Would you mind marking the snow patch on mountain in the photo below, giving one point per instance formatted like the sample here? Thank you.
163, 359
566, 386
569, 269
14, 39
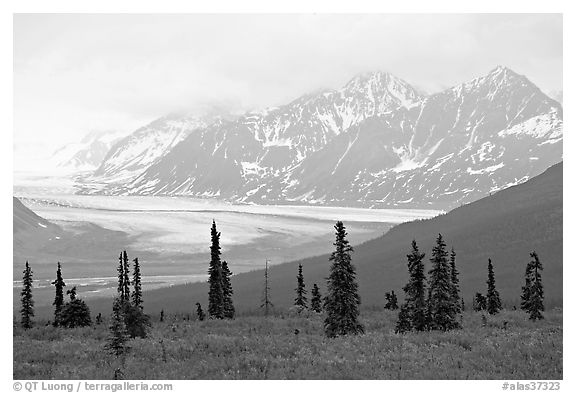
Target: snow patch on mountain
482, 171
540, 126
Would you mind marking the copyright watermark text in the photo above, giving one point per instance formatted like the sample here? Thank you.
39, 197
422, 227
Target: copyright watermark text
84, 386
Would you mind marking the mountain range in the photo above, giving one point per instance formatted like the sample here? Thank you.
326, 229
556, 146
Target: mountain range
376, 142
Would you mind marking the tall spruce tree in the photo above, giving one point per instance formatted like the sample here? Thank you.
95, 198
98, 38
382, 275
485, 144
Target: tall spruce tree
215, 292
525, 296
415, 309
537, 293
533, 291
316, 300
126, 279
137, 283
27, 308
342, 301
227, 292
120, 270
301, 300
135, 322
493, 303
455, 282
58, 303
442, 309
266, 301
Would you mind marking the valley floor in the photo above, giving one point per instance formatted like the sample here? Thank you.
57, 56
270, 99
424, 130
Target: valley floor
255, 347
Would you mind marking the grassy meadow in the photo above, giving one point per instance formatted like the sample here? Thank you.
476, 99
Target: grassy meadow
508, 346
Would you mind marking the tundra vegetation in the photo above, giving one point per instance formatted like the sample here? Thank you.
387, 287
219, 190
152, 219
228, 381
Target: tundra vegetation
431, 335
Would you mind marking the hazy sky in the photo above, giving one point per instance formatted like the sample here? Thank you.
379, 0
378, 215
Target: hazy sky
77, 73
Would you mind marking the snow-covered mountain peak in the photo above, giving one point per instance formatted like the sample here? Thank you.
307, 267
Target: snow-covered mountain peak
383, 87
503, 74
369, 77
498, 79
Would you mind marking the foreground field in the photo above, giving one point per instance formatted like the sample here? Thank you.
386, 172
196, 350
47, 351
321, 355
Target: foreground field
255, 347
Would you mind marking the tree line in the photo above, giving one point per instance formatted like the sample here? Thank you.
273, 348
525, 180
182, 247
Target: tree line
432, 300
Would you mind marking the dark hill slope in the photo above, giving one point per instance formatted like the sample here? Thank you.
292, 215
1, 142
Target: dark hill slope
505, 226
25, 220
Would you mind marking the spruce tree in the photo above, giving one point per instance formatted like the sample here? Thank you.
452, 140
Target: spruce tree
404, 323
443, 310
58, 303
493, 304
415, 305
128, 307
301, 301
75, 313
342, 301
455, 283
116, 342
533, 291
215, 292
199, 312
126, 279
27, 309
227, 292
537, 292
137, 283
266, 302
137, 323
120, 270
525, 296
316, 301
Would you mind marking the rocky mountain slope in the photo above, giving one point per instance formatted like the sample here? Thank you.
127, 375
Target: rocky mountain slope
234, 157
454, 147
376, 142
142, 148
